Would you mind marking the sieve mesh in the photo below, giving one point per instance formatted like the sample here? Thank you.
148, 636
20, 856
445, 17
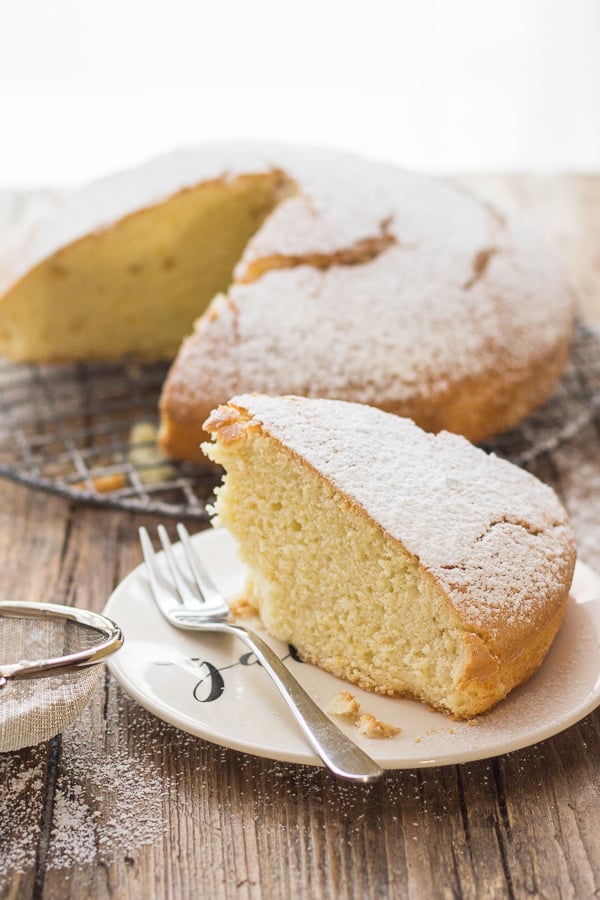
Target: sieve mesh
71, 430
36, 709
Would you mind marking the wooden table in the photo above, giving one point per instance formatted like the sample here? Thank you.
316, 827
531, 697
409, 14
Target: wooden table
125, 806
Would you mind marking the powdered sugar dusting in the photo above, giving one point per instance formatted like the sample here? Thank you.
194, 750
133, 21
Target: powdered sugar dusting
19, 777
397, 327
397, 331
496, 538
108, 801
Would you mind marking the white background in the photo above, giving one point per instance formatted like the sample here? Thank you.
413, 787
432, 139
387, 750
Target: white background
87, 86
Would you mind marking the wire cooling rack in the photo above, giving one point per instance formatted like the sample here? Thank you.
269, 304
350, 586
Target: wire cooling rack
88, 432
574, 405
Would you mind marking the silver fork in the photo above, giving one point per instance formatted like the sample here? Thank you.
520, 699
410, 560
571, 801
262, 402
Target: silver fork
208, 611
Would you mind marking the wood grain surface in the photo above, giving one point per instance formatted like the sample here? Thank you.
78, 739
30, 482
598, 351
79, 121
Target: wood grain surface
220, 824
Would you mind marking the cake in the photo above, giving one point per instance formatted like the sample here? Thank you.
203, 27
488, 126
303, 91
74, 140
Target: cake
411, 564
305, 271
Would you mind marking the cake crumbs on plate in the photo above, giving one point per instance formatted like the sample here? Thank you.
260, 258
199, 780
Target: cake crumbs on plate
371, 727
242, 608
345, 704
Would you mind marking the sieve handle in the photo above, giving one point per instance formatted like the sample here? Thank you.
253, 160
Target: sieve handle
112, 639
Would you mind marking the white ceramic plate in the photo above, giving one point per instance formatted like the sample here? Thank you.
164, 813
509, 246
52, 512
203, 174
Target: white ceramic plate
210, 686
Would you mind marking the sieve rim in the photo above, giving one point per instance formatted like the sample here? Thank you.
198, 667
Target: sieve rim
57, 665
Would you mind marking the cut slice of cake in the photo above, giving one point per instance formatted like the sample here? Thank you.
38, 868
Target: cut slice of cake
408, 563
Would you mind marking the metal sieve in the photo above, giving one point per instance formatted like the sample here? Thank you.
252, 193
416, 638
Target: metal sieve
50, 665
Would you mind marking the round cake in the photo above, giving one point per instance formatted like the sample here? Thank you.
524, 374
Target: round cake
306, 271
409, 563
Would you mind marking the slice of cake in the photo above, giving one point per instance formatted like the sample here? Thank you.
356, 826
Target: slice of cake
409, 563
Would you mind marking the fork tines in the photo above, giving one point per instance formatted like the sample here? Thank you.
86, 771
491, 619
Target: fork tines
198, 590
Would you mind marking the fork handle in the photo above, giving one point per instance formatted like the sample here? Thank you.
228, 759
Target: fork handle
335, 749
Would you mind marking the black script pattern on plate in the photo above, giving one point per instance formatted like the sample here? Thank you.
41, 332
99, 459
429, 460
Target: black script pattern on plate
211, 685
